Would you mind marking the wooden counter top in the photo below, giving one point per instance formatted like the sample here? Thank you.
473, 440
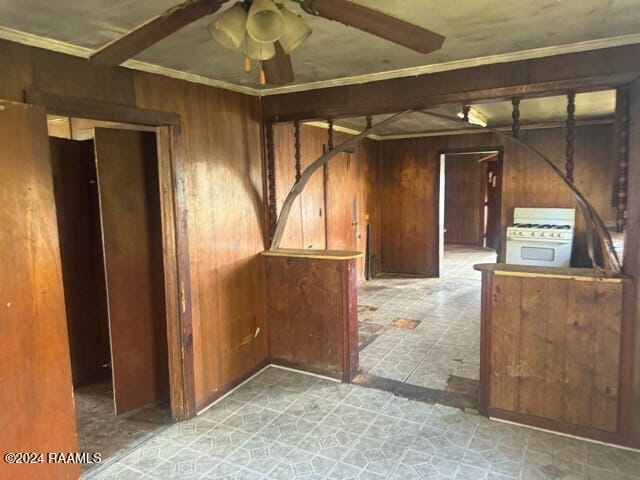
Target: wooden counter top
583, 274
308, 253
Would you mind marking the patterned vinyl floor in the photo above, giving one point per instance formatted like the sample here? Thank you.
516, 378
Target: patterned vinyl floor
287, 425
446, 340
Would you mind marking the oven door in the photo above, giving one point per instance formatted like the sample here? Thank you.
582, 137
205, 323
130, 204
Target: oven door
539, 253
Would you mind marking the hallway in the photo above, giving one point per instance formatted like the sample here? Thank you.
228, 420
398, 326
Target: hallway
424, 331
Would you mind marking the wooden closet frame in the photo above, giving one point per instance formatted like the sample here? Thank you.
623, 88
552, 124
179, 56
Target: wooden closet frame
175, 249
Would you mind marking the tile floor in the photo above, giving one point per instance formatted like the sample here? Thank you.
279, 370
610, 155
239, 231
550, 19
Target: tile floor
447, 340
288, 425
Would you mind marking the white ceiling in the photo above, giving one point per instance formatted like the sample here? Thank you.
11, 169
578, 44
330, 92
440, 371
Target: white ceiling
477, 31
543, 111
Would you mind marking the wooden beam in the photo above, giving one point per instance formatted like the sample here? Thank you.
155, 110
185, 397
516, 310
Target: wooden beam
591, 70
96, 110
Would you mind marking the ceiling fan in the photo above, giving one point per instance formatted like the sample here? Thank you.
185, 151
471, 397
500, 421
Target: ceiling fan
264, 31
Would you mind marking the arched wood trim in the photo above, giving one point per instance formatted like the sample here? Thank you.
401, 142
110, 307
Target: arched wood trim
310, 170
596, 229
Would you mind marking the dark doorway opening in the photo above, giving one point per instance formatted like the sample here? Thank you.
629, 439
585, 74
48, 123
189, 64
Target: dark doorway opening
109, 223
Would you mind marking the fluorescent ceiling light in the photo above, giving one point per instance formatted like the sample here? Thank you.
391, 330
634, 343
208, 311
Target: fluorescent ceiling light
475, 117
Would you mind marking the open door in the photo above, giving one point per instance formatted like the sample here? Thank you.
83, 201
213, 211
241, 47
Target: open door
36, 400
127, 172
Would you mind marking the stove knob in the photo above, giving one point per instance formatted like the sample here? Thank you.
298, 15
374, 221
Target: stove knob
542, 234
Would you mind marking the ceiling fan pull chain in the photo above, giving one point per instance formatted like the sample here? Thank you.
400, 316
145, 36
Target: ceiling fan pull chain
263, 77
247, 65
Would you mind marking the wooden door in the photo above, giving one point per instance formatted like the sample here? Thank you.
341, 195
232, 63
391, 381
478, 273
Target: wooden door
76, 193
464, 200
36, 400
493, 229
130, 213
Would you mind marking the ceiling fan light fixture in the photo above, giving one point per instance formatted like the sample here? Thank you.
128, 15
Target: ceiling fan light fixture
265, 23
230, 27
258, 51
295, 32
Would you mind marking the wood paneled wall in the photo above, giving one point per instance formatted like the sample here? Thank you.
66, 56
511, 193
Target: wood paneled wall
343, 192
409, 176
554, 347
218, 157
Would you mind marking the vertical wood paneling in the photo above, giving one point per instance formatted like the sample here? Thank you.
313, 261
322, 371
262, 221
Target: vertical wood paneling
342, 195
605, 394
505, 343
285, 178
17, 74
579, 360
219, 161
409, 168
408, 172
554, 349
345, 177
313, 314
531, 361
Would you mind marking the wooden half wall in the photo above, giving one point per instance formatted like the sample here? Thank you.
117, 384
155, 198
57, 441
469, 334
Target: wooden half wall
312, 304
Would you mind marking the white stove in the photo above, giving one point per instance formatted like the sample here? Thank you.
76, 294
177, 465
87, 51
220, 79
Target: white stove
541, 237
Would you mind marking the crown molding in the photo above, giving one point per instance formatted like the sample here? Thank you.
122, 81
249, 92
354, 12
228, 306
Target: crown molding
32, 40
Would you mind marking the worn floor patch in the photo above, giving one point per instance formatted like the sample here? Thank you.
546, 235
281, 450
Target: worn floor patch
366, 309
405, 323
368, 332
465, 386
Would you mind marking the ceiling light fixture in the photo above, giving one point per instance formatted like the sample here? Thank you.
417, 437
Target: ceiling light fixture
475, 117
254, 26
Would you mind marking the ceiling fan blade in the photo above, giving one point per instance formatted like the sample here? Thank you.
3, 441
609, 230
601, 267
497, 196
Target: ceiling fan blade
279, 69
143, 36
377, 23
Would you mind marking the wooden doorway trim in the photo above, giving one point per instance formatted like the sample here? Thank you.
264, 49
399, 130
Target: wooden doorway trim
174, 231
